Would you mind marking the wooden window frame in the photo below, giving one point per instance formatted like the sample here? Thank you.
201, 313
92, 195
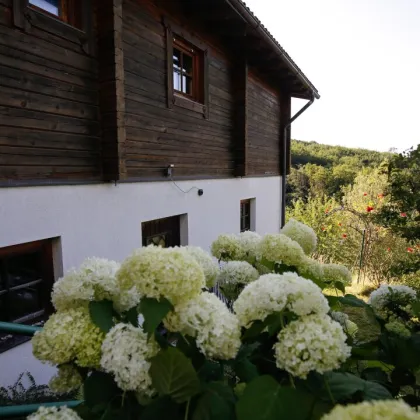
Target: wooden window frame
246, 216
199, 102
45, 247
78, 30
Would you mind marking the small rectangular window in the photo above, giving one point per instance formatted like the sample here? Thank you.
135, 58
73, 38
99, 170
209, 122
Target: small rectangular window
162, 232
26, 279
245, 215
69, 11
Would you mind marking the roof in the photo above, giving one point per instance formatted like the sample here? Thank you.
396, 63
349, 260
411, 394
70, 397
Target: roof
266, 36
282, 52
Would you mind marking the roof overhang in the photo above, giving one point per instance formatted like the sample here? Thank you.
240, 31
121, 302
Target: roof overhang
240, 28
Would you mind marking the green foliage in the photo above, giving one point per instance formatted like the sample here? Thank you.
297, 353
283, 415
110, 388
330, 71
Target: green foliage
102, 314
322, 169
173, 374
154, 311
265, 399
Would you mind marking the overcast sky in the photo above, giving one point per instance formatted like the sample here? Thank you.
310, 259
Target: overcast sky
363, 56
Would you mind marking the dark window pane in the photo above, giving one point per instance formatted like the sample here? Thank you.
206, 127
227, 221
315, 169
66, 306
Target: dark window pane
164, 232
50, 6
23, 269
3, 307
187, 64
24, 301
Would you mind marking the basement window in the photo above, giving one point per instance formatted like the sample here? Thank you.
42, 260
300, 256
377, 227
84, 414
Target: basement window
164, 232
26, 280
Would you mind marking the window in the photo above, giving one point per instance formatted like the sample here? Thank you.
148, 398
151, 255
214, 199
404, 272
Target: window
187, 69
26, 279
68, 11
69, 19
245, 215
162, 232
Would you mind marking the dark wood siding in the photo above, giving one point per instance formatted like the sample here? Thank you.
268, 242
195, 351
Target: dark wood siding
264, 135
49, 118
156, 135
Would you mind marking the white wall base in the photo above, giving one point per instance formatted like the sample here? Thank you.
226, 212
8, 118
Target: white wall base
105, 221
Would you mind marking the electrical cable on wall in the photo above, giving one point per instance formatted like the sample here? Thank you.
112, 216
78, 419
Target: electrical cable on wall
169, 171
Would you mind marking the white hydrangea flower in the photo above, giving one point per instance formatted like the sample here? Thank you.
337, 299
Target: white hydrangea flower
207, 263
373, 410
93, 280
304, 235
66, 380
162, 272
311, 269
336, 272
125, 353
280, 248
249, 242
208, 320
398, 295
54, 413
398, 328
227, 248
234, 275
343, 319
277, 292
69, 336
312, 343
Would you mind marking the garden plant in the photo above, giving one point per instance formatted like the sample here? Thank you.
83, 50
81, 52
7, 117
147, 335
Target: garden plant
148, 340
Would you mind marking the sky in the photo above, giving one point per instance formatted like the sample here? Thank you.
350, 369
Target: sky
363, 56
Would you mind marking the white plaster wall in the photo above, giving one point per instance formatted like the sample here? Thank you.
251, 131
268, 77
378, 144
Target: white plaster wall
105, 221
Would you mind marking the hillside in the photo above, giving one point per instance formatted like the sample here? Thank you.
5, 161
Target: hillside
304, 152
319, 169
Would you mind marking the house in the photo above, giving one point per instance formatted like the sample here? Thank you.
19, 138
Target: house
129, 122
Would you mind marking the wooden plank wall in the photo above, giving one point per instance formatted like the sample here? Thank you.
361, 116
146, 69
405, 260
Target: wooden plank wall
264, 130
157, 135
49, 118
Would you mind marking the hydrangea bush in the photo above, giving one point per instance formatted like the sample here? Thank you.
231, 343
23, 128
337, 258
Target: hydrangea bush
146, 339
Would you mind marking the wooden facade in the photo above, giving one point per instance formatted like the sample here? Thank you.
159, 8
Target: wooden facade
94, 104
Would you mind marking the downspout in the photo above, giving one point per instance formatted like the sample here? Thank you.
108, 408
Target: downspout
285, 157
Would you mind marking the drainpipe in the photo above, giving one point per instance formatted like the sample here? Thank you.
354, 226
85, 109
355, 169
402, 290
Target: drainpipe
285, 157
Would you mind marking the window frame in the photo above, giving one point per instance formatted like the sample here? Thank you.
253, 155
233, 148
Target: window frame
176, 34
26, 16
248, 216
46, 260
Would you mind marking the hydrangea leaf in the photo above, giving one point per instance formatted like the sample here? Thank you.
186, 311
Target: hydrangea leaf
163, 408
245, 370
99, 388
344, 385
217, 402
265, 399
102, 314
154, 311
132, 317
173, 374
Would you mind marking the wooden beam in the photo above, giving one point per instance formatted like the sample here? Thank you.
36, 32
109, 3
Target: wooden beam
240, 81
285, 115
111, 88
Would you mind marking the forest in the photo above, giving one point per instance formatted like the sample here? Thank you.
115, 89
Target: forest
364, 206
